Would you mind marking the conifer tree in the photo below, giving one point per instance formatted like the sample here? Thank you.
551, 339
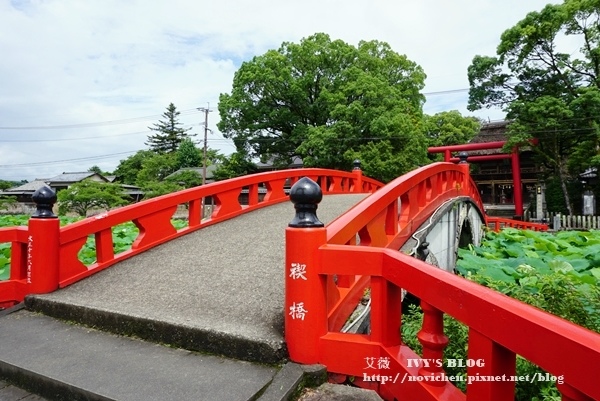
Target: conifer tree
168, 133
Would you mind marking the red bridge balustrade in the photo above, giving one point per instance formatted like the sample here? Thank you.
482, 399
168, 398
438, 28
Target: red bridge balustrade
44, 256
328, 268
498, 223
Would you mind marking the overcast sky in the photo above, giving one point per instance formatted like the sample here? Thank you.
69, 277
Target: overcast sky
82, 80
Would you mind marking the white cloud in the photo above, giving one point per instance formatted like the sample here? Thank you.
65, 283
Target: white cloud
72, 62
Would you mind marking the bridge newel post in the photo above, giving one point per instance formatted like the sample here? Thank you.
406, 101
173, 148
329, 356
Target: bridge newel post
358, 174
432, 338
305, 309
43, 244
464, 165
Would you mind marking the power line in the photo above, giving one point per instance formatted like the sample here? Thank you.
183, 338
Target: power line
152, 117
95, 124
67, 160
72, 139
445, 92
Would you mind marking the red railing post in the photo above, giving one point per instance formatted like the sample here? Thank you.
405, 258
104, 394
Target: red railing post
517, 185
358, 182
42, 244
305, 310
489, 359
432, 338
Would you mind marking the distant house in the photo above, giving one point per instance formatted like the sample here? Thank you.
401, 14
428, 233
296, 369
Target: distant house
64, 180
200, 170
23, 193
269, 166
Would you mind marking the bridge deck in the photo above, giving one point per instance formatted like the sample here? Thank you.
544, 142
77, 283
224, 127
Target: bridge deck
219, 289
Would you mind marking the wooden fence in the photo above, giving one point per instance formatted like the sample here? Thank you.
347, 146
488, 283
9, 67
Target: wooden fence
558, 221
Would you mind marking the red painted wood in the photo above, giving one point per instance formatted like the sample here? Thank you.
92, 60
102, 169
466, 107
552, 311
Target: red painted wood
497, 223
305, 307
42, 256
466, 147
342, 306
433, 341
517, 184
496, 321
386, 310
490, 359
104, 246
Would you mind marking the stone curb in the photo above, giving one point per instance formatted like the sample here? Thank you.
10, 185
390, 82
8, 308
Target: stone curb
291, 379
192, 339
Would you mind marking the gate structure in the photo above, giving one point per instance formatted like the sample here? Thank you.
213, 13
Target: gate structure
328, 269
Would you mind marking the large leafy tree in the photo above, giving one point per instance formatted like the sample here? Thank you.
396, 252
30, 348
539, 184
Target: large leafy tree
188, 155
235, 165
168, 132
450, 128
329, 102
156, 168
128, 169
85, 195
9, 184
545, 75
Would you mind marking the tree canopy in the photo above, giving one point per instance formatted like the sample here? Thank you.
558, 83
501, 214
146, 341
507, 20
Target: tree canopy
450, 128
235, 165
545, 75
168, 133
188, 155
329, 102
85, 195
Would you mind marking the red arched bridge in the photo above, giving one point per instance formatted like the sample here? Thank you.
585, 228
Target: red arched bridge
182, 295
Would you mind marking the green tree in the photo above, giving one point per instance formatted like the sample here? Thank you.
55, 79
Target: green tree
7, 184
6, 202
188, 155
156, 168
328, 102
236, 165
128, 169
155, 188
450, 128
85, 195
169, 132
185, 179
548, 94
97, 170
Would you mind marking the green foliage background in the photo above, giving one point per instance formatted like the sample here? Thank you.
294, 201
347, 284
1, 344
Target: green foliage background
556, 273
123, 236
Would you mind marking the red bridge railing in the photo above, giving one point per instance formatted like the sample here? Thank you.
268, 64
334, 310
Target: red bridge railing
360, 250
498, 223
44, 256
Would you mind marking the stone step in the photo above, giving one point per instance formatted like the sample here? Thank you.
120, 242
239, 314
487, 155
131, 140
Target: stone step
61, 361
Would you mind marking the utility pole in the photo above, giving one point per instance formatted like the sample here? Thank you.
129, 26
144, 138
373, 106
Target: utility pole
206, 110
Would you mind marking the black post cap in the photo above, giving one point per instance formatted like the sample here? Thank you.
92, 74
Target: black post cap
306, 195
463, 156
356, 164
44, 199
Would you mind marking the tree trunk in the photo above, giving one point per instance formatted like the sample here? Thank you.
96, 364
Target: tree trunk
562, 175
